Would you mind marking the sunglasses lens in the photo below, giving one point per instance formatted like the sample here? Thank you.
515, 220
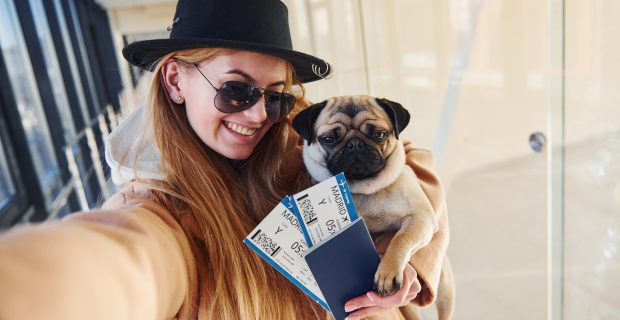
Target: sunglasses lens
278, 105
236, 96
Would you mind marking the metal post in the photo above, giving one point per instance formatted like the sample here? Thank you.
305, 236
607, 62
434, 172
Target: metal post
555, 161
94, 153
77, 180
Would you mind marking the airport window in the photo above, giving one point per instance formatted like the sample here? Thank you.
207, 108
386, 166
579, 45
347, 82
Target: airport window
53, 69
71, 61
81, 54
28, 102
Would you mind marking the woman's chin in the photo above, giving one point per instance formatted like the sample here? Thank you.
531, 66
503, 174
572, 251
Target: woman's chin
238, 156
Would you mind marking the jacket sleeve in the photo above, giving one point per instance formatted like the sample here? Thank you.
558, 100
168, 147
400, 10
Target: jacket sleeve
428, 261
129, 262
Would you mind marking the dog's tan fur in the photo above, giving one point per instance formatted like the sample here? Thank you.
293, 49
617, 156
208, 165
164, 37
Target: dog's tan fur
391, 200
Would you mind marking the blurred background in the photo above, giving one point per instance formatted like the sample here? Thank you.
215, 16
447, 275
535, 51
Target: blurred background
518, 100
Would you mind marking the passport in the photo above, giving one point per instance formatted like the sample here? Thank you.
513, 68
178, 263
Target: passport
344, 266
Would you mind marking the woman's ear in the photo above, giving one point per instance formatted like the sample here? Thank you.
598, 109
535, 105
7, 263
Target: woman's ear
171, 74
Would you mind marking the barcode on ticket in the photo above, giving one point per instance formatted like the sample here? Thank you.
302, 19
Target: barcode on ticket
307, 210
266, 243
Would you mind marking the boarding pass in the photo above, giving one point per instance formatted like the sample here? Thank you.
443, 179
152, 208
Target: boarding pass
324, 209
279, 240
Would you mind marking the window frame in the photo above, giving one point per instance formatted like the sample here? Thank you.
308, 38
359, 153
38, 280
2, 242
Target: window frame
19, 162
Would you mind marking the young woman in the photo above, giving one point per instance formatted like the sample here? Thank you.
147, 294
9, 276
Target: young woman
209, 156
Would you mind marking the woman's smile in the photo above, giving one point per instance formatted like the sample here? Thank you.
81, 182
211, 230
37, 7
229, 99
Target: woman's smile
240, 129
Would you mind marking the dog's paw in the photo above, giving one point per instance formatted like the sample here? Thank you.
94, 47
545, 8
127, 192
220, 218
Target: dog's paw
388, 279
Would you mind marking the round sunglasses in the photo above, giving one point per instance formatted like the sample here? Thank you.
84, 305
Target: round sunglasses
236, 96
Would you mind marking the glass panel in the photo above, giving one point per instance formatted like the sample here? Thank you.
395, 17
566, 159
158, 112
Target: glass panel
592, 178
7, 189
410, 47
28, 101
53, 68
473, 75
75, 75
333, 29
81, 53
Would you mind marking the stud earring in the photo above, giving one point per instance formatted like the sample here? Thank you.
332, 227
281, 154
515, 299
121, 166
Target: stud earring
177, 98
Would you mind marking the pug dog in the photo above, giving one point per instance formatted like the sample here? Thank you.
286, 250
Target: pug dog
358, 135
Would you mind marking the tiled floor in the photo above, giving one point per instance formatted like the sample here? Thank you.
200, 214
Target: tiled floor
593, 229
498, 244
498, 249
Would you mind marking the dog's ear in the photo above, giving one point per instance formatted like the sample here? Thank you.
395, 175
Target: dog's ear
397, 113
304, 121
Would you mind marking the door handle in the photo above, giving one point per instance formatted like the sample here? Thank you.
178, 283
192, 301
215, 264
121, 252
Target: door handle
538, 141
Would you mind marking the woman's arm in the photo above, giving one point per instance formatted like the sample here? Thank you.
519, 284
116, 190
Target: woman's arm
129, 263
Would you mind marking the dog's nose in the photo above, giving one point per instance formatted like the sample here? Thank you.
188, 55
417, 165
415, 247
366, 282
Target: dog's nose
355, 144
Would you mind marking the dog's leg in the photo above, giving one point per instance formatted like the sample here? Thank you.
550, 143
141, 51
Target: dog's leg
415, 232
445, 292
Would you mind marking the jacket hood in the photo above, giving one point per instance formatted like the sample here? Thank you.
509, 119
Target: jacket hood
131, 151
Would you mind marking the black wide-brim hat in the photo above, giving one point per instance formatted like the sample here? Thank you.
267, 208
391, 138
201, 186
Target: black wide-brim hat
253, 25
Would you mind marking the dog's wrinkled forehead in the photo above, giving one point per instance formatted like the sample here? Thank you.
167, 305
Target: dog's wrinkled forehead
353, 111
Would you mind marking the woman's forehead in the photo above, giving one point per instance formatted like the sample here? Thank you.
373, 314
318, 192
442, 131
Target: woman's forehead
248, 60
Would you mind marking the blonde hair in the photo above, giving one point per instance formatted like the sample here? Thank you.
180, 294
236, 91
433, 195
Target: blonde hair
218, 204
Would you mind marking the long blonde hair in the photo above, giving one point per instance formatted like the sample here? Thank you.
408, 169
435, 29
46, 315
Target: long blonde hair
218, 204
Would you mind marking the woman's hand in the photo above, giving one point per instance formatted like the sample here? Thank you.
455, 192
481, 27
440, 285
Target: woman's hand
372, 302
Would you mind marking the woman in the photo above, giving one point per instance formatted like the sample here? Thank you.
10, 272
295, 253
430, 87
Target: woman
208, 158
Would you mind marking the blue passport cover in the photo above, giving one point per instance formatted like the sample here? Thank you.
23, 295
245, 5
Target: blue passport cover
344, 266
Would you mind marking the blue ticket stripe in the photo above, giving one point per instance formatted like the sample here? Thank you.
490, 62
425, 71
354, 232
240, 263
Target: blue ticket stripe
286, 274
346, 195
289, 203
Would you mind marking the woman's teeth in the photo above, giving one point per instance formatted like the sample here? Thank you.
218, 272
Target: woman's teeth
240, 130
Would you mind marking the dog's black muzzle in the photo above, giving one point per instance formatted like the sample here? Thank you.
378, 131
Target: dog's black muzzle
357, 160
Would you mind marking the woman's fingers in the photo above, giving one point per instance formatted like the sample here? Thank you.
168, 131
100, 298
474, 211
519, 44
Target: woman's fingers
364, 312
359, 302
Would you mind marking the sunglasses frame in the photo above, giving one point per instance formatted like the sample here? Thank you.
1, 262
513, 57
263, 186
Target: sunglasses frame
282, 97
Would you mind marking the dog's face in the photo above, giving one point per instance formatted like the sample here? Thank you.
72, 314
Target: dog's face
351, 134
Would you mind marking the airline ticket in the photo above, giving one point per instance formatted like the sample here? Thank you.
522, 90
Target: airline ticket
280, 241
324, 209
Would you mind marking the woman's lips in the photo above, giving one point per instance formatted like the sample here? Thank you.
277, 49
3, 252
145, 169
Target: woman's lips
240, 129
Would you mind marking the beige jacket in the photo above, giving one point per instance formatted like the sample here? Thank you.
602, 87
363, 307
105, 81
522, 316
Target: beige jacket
131, 260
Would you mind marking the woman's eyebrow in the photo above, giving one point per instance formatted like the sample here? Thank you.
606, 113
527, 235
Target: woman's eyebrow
250, 79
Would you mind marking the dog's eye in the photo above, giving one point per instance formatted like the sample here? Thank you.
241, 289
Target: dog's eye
327, 140
380, 135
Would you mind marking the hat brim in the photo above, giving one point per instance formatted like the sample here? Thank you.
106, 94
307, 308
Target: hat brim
145, 54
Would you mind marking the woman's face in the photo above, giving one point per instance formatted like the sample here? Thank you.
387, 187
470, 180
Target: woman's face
233, 135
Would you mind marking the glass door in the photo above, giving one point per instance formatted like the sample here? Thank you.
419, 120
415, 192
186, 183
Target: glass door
518, 100
491, 132
592, 160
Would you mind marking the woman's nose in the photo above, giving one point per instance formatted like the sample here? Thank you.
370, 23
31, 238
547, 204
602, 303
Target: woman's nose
257, 112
